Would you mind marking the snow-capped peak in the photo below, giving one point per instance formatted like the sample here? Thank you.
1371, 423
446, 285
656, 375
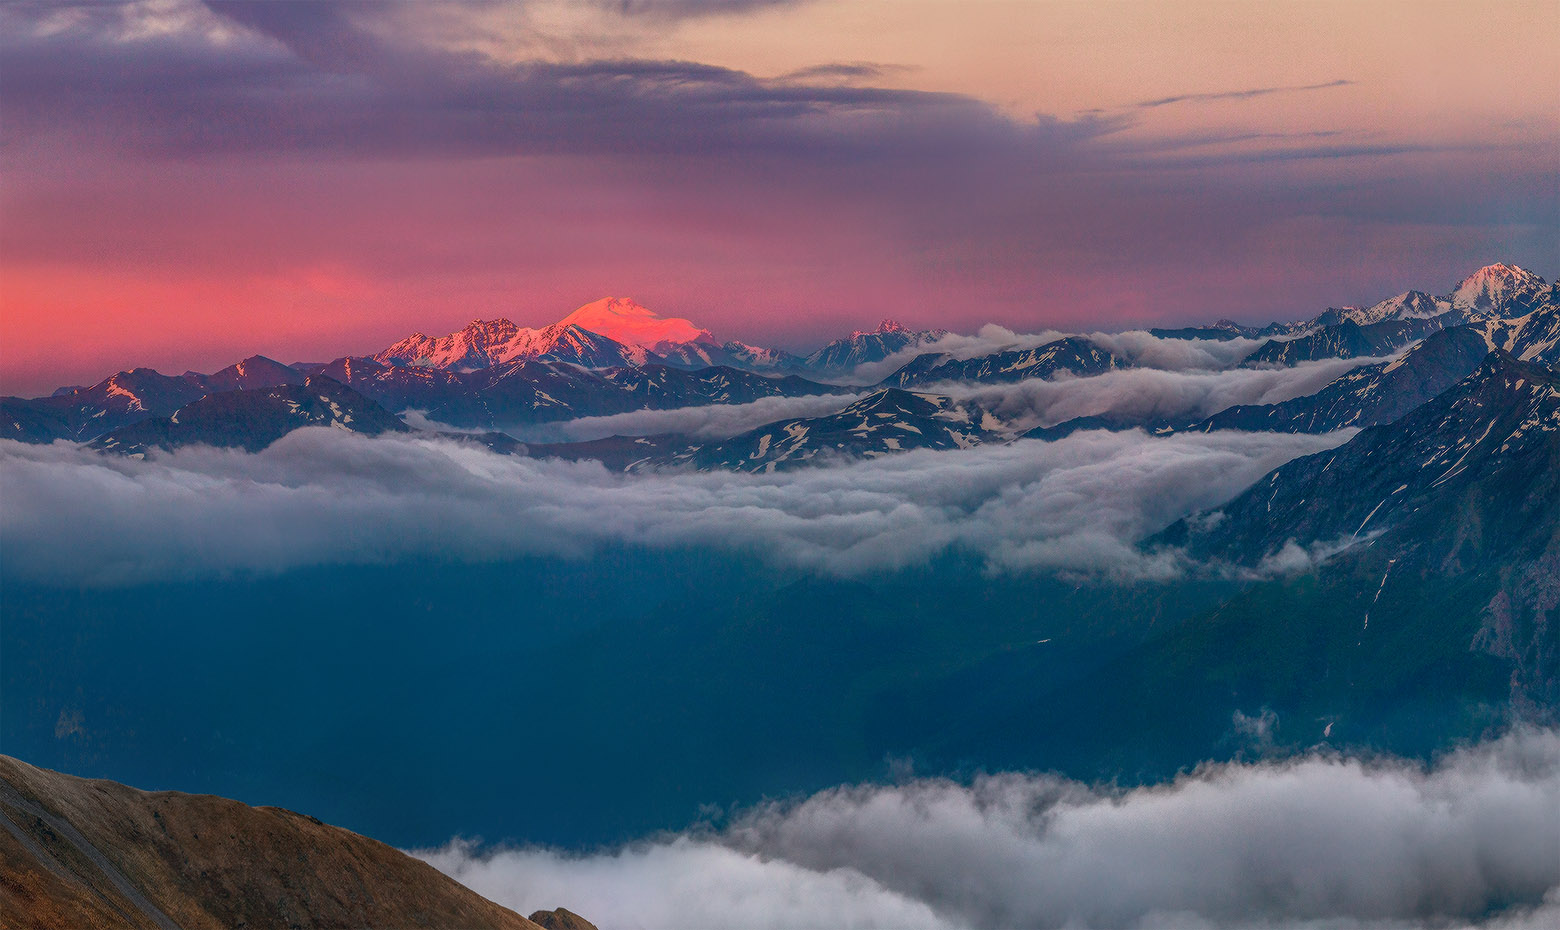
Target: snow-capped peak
1493, 287
477, 345
610, 331
885, 325
623, 320
1492, 292
1405, 306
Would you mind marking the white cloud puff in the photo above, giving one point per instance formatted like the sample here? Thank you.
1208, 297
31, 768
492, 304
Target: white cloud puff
1321, 841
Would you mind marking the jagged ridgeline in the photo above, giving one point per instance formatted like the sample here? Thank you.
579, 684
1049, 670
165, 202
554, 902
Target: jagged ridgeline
615, 357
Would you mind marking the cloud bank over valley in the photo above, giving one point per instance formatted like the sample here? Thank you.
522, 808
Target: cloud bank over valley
1322, 840
322, 496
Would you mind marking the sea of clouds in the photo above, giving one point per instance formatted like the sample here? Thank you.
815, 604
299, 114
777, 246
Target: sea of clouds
1146, 394
1318, 841
1138, 347
710, 421
1080, 504
324, 496
1173, 379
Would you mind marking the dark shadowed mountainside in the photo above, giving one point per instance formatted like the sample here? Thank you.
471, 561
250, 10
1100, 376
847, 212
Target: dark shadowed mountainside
1486, 451
1347, 339
1073, 355
1370, 395
861, 348
882, 423
532, 391
84, 413
252, 420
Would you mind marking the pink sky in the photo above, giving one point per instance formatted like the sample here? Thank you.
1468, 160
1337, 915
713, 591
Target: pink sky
185, 186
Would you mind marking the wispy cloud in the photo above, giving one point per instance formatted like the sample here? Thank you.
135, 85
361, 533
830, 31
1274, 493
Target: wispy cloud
1247, 94
710, 421
683, 9
844, 71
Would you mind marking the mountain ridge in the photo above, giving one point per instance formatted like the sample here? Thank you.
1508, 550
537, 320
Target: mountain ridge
1504, 418
253, 419
88, 853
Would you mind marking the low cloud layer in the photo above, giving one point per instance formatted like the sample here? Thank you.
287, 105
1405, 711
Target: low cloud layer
1140, 347
1178, 379
1149, 393
711, 421
322, 496
1319, 841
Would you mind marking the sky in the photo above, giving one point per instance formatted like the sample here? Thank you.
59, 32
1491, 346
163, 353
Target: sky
185, 184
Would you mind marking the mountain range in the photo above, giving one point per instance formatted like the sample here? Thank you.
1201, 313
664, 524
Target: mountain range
533, 391
1500, 424
1368, 395
614, 356
1493, 294
617, 331
1073, 355
82, 413
608, 332
887, 421
255, 418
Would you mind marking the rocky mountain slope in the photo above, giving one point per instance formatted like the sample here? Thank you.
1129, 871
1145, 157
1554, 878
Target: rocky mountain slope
1534, 336
252, 420
1370, 395
81, 853
561, 919
1488, 449
542, 391
1347, 339
731, 355
861, 348
883, 423
1494, 293
1073, 355
128, 397
485, 343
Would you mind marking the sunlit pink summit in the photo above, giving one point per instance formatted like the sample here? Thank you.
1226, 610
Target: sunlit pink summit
623, 320
609, 330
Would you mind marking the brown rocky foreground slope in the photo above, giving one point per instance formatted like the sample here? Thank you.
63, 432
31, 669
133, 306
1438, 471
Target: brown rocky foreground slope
81, 853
